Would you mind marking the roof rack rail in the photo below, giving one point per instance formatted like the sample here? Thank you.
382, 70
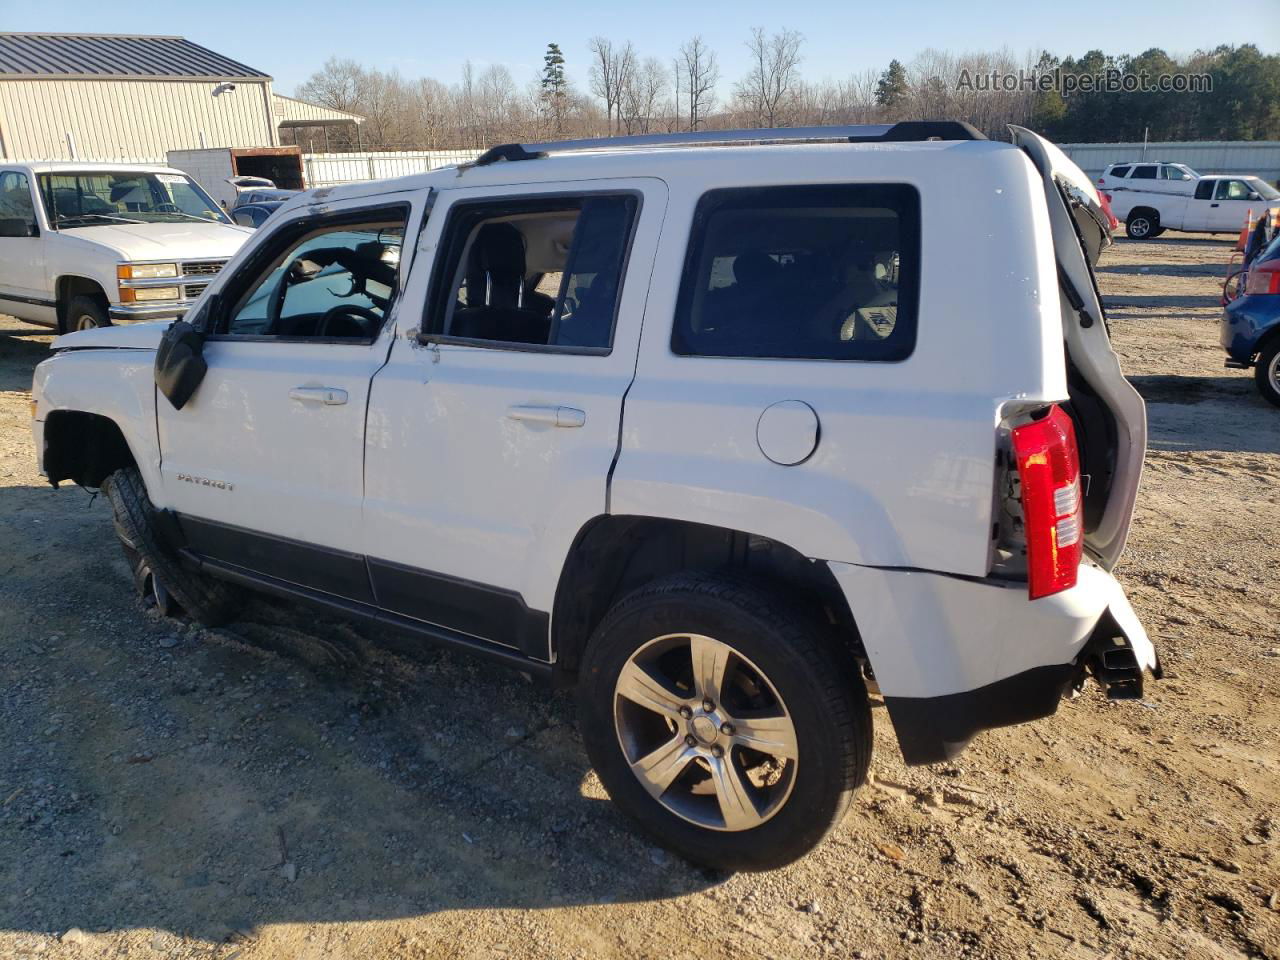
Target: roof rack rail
902, 132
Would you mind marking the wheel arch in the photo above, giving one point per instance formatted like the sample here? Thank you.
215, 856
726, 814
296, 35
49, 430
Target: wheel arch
83, 447
613, 555
70, 285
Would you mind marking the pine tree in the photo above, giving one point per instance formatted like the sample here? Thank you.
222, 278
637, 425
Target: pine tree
554, 87
892, 88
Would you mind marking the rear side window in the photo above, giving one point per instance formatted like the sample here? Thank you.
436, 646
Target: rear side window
1119, 172
804, 272
1144, 173
1204, 189
534, 272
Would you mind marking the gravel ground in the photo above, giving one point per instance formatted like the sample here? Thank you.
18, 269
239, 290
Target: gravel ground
294, 787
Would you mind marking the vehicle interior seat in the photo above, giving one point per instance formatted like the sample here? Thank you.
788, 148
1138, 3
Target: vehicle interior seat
496, 303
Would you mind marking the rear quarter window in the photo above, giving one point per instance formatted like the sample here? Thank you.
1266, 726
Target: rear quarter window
826, 272
1118, 172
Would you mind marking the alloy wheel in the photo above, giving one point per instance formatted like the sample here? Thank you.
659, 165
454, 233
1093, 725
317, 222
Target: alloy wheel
86, 321
705, 732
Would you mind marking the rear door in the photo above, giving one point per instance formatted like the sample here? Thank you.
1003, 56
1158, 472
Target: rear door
491, 436
1104, 402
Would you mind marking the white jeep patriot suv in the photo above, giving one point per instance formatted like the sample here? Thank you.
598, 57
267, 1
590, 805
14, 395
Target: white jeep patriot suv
718, 432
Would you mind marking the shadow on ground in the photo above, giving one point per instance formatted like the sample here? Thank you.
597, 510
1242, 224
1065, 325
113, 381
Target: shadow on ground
1222, 413
21, 348
288, 768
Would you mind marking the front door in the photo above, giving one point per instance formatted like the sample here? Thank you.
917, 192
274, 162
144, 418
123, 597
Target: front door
264, 465
490, 444
23, 283
1231, 206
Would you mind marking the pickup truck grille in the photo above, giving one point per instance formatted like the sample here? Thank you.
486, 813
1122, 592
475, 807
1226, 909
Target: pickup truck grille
192, 290
201, 268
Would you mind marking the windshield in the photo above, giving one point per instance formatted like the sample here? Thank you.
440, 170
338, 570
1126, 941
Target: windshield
80, 199
1265, 190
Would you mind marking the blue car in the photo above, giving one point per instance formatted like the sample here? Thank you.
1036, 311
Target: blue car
1251, 322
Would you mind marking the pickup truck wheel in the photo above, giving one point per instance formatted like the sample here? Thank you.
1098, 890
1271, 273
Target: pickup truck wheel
156, 568
1141, 226
85, 313
724, 720
1267, 373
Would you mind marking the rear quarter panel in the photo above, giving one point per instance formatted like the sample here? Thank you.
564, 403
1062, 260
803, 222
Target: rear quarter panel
903, 473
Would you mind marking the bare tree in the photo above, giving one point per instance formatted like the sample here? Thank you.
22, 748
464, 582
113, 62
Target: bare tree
770, 85
700, 72
610, 73
642, 95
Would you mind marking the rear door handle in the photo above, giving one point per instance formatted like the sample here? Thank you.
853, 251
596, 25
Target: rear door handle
550, 415
329, 396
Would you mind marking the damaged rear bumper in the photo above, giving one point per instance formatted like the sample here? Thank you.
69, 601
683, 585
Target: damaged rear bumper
955, 656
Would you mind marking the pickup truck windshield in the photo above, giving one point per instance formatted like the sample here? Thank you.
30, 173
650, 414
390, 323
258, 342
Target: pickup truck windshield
82, 199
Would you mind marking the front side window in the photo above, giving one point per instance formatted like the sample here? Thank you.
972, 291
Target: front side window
534, 272
1232, 190
1147, 172
15, 197
330, 283
806, 272
84, 199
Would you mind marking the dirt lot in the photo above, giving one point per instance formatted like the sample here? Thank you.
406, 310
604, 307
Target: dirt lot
294, 788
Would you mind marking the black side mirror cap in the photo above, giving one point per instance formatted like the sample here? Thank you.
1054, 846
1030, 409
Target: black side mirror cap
180, 363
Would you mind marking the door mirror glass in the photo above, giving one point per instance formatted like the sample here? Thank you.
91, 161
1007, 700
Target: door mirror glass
180, 363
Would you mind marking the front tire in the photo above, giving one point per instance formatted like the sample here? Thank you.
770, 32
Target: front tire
1266, 373
156, 568
725, 720
85, 313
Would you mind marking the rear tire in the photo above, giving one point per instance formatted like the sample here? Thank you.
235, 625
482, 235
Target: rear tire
85, 313
679, 763
1266, 373
155, 567
1141, 226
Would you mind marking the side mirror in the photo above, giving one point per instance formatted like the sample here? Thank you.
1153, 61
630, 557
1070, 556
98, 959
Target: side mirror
1254, 195
180, 363
18, 227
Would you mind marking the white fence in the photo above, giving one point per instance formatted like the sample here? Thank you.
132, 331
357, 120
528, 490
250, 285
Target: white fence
1260, 157
330, 169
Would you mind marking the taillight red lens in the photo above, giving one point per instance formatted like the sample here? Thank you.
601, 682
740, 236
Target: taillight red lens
1263, 278
1049, 468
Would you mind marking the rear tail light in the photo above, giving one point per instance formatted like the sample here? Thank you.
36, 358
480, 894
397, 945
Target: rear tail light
1049, 469
1263, 278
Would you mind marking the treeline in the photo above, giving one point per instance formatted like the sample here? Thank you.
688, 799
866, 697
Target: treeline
622, 91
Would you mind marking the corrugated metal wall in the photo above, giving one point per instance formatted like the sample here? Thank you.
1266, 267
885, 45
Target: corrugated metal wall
330, 169
138, 120
1259, 157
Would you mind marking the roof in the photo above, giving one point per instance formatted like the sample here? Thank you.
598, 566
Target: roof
48, 56
292, 112
715, 166
77, 166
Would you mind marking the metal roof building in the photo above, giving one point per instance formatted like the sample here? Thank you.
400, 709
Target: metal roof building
66, 96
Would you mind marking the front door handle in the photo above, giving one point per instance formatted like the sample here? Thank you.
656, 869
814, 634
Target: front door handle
329, 396
1213, 204
551, 415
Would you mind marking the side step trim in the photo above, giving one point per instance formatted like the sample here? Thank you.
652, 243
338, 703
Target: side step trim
432, 633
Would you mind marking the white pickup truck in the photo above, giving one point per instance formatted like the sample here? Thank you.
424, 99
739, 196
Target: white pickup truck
1219, 204
86, 245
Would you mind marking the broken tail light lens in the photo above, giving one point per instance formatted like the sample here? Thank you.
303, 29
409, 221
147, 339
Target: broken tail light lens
1049, 469
1263, 278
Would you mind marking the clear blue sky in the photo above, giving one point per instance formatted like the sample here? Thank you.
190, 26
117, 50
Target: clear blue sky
290, 40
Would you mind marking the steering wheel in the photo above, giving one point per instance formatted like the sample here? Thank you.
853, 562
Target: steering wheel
367, 320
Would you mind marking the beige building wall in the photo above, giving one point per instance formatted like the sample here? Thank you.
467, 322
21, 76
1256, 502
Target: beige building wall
138, 120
